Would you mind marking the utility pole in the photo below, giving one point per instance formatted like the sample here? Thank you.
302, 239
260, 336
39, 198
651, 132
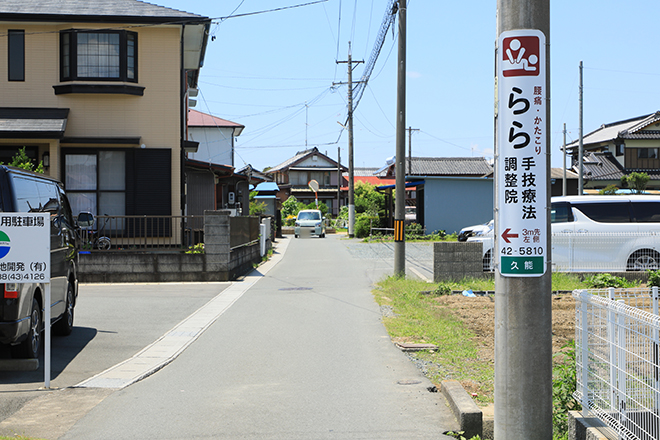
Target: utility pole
581, 141
339, 179
400, 182
410, 130
563, 185
522, 250
351, 185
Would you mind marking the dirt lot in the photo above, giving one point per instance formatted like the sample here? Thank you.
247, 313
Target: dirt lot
479, 316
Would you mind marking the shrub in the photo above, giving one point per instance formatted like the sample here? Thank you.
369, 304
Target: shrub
414, 230
654, 278
604, 280
363, 225
609, 190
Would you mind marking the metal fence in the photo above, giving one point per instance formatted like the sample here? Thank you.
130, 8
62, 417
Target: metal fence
617, 334
160, 233
578, 251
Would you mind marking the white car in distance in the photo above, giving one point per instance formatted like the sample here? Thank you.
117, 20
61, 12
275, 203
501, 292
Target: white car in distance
594, 233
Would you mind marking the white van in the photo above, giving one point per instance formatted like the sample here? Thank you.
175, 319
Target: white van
600, 233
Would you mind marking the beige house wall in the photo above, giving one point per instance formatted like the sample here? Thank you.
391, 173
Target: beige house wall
154, 117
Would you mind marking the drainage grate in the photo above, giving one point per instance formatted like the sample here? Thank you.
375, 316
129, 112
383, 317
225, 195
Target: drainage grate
409, 382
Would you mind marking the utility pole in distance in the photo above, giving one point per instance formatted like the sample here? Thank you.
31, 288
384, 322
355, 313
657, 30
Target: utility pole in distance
400, 182
410, 132
351, 183
522, 250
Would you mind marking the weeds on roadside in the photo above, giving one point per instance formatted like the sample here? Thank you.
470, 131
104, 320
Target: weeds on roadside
564, 383
604, 280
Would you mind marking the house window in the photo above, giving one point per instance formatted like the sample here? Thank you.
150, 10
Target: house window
16, 51
95, 55
647, 153
619, 149
96, 182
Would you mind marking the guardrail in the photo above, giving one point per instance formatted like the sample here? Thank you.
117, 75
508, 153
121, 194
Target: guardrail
617, 334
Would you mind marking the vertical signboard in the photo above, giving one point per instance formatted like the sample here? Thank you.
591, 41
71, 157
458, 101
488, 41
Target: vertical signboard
24, 248
521, 170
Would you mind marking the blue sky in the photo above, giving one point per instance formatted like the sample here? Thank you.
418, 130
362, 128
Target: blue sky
276, 73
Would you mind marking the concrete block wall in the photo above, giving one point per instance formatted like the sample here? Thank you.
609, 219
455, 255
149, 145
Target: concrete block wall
218, 263
453, 261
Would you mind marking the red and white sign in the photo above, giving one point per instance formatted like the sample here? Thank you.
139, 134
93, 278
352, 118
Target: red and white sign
521, 169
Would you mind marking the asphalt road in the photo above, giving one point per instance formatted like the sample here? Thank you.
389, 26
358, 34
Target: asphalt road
112, 323
302, 354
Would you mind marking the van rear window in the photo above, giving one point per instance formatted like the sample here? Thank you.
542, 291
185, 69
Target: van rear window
34, 195
647, 212
604, 212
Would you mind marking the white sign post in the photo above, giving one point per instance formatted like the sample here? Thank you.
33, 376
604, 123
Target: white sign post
25, 258
521, 173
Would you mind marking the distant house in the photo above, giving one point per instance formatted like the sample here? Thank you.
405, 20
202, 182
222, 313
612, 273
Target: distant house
97, 91
211, 179
620, 148
451, 192
216, 137
293, 176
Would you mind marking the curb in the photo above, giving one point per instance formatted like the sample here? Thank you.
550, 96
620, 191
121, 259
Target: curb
467, 413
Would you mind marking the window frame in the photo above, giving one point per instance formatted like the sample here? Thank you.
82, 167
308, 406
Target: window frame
16, 55
69, 71
97, 190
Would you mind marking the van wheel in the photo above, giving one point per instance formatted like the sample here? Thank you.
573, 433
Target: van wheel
64, 326
644, 259
29, 348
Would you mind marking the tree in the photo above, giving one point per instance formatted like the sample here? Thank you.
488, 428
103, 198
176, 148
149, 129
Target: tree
290, 207
367, 199
609, 190
256, 208
636, 181
21, 160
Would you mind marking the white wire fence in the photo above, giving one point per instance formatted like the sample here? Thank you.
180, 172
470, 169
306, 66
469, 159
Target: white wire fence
617, 335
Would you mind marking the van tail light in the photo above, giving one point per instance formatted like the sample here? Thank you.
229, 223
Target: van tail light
11, 290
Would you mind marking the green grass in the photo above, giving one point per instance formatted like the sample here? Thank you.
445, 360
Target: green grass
17, 437
560, 281
419, 319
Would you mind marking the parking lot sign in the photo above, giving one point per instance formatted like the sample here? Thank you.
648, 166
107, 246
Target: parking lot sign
24, 247
522, 163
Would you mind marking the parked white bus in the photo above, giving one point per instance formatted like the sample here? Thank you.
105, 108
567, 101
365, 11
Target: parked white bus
599, 233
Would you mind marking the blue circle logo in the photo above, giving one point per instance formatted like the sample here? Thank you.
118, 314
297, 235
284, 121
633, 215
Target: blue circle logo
4, 244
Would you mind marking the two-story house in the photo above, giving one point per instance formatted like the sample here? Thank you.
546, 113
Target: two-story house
620, 148
97, 90
293, 176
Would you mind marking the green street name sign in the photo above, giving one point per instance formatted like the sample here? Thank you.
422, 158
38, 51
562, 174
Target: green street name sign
522, 265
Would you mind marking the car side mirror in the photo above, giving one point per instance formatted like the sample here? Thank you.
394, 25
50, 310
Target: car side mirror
85, 220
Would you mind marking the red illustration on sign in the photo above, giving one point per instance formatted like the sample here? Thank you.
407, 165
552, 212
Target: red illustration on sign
520, 56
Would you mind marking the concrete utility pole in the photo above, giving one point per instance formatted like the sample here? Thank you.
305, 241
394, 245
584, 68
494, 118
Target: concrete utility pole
523, 269
563, 184
339, 179
400, 183
410, 132
351, 185
581, 141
